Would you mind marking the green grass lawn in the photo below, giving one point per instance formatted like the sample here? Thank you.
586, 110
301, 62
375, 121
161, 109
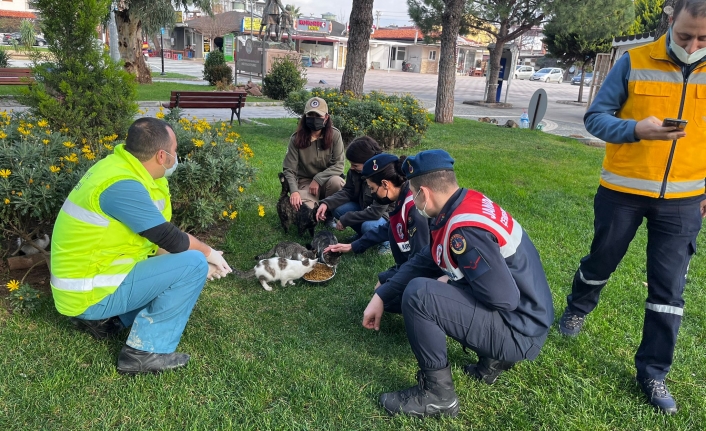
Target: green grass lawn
157, 91
173, 75
298, 358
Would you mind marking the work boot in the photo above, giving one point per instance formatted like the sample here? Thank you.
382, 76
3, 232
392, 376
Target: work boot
100, 329
658, 395
487, 370
133, 361
433, 395
570, 324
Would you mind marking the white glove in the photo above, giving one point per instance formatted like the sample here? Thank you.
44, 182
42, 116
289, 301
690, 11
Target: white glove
216, 258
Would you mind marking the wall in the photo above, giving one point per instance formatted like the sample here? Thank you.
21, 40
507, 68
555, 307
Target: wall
379, 54
430, 66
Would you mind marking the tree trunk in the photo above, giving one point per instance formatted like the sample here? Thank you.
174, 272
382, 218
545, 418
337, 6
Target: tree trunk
663, 25
583, 70
130, 46
494, 62
451, 22
361, 22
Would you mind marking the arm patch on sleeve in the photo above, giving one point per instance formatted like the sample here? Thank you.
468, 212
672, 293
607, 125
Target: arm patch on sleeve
473, 264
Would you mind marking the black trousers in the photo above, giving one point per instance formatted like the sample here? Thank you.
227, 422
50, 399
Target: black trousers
433, 310
672, 227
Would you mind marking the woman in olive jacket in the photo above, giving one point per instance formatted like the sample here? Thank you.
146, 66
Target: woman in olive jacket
313, 165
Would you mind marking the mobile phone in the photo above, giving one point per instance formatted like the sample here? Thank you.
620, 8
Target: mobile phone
673, 122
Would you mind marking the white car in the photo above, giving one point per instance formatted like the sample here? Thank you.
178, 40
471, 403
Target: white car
523, 72
548, 74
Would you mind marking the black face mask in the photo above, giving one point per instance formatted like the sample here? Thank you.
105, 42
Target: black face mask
383, 201
315, 123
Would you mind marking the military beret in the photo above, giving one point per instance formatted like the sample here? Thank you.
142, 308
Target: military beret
376, 163
426, 162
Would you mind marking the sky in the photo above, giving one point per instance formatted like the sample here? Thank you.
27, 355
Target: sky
391, 11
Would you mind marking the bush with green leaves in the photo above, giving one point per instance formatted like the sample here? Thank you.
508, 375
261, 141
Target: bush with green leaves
286, 75
392, 120
213, 173
4, 57
78, 88
215, 69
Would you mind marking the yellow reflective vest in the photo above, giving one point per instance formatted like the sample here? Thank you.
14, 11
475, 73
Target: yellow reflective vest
91, 252
660, 169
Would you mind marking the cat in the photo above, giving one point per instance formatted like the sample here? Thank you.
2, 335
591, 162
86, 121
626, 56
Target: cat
304, 219
288, 250
323, 239
278, 268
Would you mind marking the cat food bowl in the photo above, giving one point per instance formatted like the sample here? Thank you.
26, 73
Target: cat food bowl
320, 273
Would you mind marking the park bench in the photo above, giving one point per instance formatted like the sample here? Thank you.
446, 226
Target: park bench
234, 100
16, 76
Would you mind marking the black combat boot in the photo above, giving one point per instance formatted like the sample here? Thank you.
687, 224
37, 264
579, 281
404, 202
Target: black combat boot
434, 395
100, 329
133, 361
487, 370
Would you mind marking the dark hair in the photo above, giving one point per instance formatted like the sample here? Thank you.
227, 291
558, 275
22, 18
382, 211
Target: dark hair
438, 181
302, 137
697, 8
361, 149
146, 136
393, 173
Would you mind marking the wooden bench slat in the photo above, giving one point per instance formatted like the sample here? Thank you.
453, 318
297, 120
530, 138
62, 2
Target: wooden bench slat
16, 76
233, 100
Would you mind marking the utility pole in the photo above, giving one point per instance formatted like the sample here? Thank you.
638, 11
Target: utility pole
377, 16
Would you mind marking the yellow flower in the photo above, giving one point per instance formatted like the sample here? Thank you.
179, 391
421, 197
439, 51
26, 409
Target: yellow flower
72, 158
233, 215
7, 201
19, 194
213, 143
198, 143
5, 173
54, 169
86, 149
225, 213
22, 298
13, 285
261, 210
3, 135
89, 156
68, 144
47, 186
42, 123
241, 189
108, 147
31, 181
23, 131
45, 141
159, 115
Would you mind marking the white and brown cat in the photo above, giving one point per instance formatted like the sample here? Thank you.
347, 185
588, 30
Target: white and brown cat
278, 268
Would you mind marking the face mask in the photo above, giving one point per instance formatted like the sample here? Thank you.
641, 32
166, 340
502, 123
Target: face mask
315, 123
681, 53
384, 200
423, 211
169, 171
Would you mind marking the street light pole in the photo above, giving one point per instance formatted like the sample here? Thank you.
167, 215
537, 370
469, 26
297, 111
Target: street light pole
161, 37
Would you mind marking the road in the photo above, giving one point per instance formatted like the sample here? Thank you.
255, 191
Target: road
560, 119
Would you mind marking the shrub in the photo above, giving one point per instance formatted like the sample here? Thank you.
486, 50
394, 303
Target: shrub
23, 298
212, 175
79, 89
286, 75
215, 68
392, 120
4, 58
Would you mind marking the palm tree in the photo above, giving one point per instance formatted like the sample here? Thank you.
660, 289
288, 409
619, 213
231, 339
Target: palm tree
293, 11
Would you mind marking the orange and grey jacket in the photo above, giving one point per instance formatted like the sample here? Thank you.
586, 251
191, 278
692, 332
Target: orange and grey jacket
648, 82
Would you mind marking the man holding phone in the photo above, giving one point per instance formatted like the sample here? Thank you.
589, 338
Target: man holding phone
654, 168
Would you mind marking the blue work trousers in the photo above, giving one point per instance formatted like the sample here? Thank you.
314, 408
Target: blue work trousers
672, 227
156, 298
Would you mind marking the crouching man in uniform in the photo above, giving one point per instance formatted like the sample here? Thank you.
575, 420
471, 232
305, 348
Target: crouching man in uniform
497, 301
112, 221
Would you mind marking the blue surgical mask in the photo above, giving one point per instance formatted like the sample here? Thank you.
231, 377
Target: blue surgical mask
169, 171
681, 53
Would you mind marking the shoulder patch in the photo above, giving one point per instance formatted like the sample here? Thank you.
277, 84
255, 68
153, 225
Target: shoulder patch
458, 243
473, 264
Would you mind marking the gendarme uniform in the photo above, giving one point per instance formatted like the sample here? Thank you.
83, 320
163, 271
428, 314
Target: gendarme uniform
497, 301
91, 252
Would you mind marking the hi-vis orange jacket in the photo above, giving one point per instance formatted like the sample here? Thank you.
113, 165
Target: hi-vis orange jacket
660, 169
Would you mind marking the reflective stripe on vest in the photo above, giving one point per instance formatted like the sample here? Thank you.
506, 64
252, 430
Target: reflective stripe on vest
651, 186
84, 215
87, 284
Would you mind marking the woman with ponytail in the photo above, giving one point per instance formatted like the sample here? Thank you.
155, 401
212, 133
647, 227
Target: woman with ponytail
407, 230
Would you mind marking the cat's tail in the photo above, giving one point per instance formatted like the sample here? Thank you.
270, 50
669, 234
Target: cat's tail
265, 255
245, 274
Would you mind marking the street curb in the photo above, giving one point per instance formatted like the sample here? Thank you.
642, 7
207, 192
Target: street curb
488, 105
571, 102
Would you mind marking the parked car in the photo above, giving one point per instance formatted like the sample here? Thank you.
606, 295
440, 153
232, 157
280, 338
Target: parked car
548, 74
576, 80
8, 37
523, 72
